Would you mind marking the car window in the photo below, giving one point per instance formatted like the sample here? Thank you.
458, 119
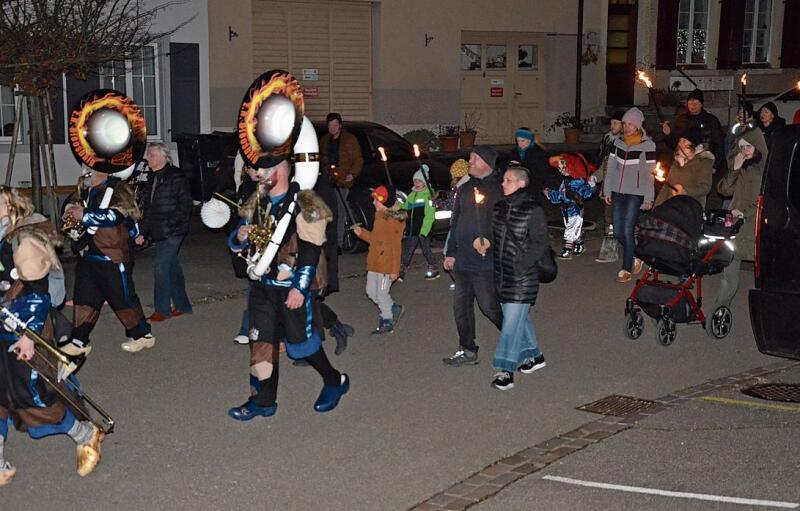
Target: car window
397, 148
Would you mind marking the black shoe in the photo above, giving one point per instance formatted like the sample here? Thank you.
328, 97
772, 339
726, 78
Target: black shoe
566, 253
340, 332
503, 380
461, 358
579, 249
532, 364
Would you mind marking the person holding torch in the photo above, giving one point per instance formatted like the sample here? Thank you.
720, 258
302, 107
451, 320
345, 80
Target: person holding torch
691, 171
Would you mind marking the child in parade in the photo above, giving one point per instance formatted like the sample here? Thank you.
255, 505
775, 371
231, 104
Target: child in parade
421, 215
577, 186
383, 258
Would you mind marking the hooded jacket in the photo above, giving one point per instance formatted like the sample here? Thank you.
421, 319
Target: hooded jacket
385, 241
421, 212
743, 186
777, 123
519, 230
630, 169
694, 177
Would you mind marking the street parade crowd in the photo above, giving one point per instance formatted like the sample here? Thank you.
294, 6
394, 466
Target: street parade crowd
291, 204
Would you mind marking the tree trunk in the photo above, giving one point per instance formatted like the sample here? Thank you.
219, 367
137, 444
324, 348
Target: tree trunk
12, 153
52, 198
36, 174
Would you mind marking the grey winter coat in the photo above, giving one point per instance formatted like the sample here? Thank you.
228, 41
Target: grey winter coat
630, 169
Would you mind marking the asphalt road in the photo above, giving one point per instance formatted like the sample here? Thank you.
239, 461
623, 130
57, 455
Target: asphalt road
409, 427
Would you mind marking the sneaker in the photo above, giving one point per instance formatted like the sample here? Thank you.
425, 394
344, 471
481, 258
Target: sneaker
7, 473
134, 345
75, 350
579, 249
623, 276
432, 275
532, 364
637, 265
461, 358
452, 286
565, 254
386, 326
241, 339
503, 380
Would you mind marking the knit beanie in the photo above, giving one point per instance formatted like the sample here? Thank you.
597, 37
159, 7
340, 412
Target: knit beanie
695, 94
524, 133
487, 154
617, 115
634, 116
422, 174
694, 135
31, 259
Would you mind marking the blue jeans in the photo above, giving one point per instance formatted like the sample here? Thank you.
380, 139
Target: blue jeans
625, 214
518, 341
170, 285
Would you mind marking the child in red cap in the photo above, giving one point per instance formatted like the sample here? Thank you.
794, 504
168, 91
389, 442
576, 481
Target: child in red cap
383, 259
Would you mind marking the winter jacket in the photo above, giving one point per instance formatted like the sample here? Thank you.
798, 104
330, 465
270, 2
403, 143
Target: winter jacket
350, 159
630, 169
385, 241
695, 177
744, 185
168, 205
421, 212
711, 129
519, 230
776, 124
535, 160
570, 196
468, 222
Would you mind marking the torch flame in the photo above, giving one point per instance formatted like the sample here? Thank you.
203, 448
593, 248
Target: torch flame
798, 84
383, 153
479, 197
641, 75
743, 79
659, 173
416, 151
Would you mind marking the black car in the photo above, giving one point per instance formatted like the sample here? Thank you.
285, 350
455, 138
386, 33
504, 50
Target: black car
775, 301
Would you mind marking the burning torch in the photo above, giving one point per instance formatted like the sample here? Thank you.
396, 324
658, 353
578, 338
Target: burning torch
424, 176
661, 176
642, 77
385, 165
481, 244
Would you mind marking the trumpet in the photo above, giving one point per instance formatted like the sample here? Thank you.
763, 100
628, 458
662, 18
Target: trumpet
66, 386
72, 228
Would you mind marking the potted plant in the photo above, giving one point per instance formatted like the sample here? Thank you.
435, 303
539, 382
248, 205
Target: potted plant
469, 130
448, 137
424, 138
571, 125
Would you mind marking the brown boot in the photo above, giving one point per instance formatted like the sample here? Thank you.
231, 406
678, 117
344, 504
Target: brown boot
89, 453
7, 473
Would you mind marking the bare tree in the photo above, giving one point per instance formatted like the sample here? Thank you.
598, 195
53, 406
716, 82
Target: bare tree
42, 39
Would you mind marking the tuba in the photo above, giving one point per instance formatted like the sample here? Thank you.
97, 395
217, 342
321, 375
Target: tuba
272, 125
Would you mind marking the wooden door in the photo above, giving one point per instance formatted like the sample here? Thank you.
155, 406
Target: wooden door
621, 54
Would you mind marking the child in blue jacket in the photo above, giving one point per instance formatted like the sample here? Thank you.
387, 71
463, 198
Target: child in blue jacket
577, 186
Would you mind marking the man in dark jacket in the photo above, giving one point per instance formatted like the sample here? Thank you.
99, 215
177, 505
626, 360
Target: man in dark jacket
697, 116
167, 208
519, 230
469, 254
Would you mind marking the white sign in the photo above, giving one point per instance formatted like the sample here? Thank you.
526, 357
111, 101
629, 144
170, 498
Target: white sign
311, 75
496, 82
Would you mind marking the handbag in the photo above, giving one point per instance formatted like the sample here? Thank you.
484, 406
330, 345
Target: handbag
547, 267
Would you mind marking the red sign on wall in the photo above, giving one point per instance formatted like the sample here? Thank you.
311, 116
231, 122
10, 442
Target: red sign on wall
311, 92
496, 92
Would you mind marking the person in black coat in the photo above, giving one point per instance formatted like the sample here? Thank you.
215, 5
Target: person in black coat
529, 154
167, 209
520, 237
697, 117
769, 121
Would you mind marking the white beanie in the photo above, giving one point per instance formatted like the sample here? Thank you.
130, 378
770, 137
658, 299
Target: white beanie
422, 174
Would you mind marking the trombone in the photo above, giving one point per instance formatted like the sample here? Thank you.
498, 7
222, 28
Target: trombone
64, 369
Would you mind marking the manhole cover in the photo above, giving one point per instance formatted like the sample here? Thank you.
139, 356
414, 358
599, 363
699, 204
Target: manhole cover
618, 406
787, 392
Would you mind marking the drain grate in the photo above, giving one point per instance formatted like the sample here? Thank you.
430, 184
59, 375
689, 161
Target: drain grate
786, 392
618, 406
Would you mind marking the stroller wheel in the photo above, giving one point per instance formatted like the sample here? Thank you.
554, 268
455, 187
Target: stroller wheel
719, 324
666, 331
634, 325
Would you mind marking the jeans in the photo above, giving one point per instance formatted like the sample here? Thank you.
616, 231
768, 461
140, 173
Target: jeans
626, 213
471, 286
170, 285
518, 341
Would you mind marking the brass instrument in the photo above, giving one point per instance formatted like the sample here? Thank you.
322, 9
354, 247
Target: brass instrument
260, 234
63, 367
72, 228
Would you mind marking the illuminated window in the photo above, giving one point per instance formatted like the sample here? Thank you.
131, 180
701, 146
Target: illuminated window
692, 31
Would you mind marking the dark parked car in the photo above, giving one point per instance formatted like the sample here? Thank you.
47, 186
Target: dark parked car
775, 301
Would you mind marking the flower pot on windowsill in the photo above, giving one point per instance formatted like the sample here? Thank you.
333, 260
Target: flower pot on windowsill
572, 135
467, 139
448, 143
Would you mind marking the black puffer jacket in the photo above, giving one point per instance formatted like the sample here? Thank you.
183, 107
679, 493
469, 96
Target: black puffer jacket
167, 206
520, 240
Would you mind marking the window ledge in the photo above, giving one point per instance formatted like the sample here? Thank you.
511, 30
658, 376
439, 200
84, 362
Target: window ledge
727, 72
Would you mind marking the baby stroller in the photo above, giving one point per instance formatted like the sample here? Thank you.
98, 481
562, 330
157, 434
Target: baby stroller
680, 240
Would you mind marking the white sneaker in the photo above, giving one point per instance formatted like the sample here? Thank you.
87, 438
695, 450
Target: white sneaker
241, 339
73, 350
134, 345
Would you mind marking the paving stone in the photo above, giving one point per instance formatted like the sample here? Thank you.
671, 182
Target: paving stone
505, 479
592, 427
481, 492
440, 499
460, 489
458, 504
478, 479
514, 460
580, 443
495, 470
575, 433
551, 444
426, 506
530, 452
565, 450
528, 468
545, 459
600, 435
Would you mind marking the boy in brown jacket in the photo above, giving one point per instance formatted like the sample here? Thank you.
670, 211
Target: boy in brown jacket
383, 259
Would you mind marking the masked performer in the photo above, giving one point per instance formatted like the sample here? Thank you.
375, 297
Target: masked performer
103, 272
23, 394
283, 273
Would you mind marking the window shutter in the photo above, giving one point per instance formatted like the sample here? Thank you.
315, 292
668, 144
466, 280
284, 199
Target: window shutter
790, 47
731, 34
667, 40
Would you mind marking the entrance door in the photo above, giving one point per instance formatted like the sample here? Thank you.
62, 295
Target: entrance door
501, 83
184, 67
621, 53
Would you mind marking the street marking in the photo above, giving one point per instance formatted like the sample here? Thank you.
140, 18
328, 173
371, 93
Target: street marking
742, 402
678, 494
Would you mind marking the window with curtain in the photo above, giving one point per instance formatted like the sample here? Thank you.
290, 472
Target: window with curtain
692, 31
7, 108
757, 22
137, 78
